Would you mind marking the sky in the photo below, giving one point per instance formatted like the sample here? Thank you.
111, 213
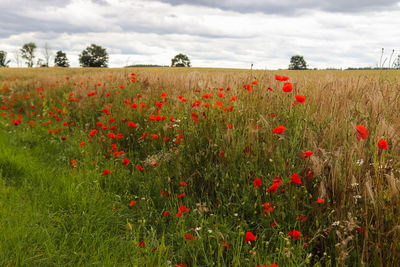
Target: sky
223, 33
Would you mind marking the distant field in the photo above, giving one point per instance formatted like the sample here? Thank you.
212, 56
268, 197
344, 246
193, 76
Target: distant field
199, 167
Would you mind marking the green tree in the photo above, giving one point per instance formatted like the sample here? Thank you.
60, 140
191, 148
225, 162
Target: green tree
180, 60
28, 53
61, 59
94, 56
3, 59
297, 63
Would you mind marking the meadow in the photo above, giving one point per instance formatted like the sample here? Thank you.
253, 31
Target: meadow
199, 167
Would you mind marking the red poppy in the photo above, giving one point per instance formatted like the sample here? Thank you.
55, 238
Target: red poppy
307, 154
279, 129
139, 168
125, 162
93, 132
248, 87
183, 183
181, 195
141, 244
133, 202
294, 234
277, 181
361, 132
250, 237
320, 200
227, 245
183, 209
154, 136
132, 124
287, 87
300, 99
383, 144
257, 183
166, 213
254, 82
295, 179
190, 237
268, 207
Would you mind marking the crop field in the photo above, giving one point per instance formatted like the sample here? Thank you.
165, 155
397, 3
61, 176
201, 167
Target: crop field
199, 167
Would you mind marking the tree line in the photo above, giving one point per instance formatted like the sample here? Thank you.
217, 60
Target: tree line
92, 56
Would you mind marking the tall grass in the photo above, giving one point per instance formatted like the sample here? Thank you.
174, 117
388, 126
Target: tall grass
73, 214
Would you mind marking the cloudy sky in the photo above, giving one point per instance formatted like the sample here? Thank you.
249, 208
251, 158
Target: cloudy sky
213, 33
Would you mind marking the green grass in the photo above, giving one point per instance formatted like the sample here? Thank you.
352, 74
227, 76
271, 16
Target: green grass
53, 213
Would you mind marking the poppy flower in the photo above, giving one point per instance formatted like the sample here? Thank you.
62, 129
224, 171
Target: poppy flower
254, 82
106, 172
279, 129
268, 207
166, 213
248, 87
361, 132
189, 237
307, 154
141, 244
227, 245
125, 162
139, 168
383, 144
257, 183
133, 202
300, 99
294, 234
183, 209
132, 124
277, 181
295, 179
320, 200
250, 237
183, 183
93, 132
181, 195
287, 87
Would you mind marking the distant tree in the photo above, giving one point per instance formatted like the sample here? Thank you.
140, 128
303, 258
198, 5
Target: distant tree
396, 63
46, 55
28, 53
3, 59
94, 56
297, 63
61, 59
180, 60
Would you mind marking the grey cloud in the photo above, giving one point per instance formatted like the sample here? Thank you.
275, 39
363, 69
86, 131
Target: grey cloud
289, 6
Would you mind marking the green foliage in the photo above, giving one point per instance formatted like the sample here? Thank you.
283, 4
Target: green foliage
3, 59
180, 60
61, 59
28, 53
297, 63
94, 56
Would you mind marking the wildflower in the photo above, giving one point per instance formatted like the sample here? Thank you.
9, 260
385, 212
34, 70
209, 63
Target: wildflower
361, 132
383, 144
300, 99
257, 183
279, 129
335, 223
294, 234
226, 245
181, 195
141, 244
307, 154
287, 87
295, 179
166, 213
132, 124
248, 87
268, 207
106, 172
93, 132
320, 200
133, 202
125, 162
250, 237
277, 181
139, 168
190, 237
183, 183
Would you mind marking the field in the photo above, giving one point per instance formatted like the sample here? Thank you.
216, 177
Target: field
199, 167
